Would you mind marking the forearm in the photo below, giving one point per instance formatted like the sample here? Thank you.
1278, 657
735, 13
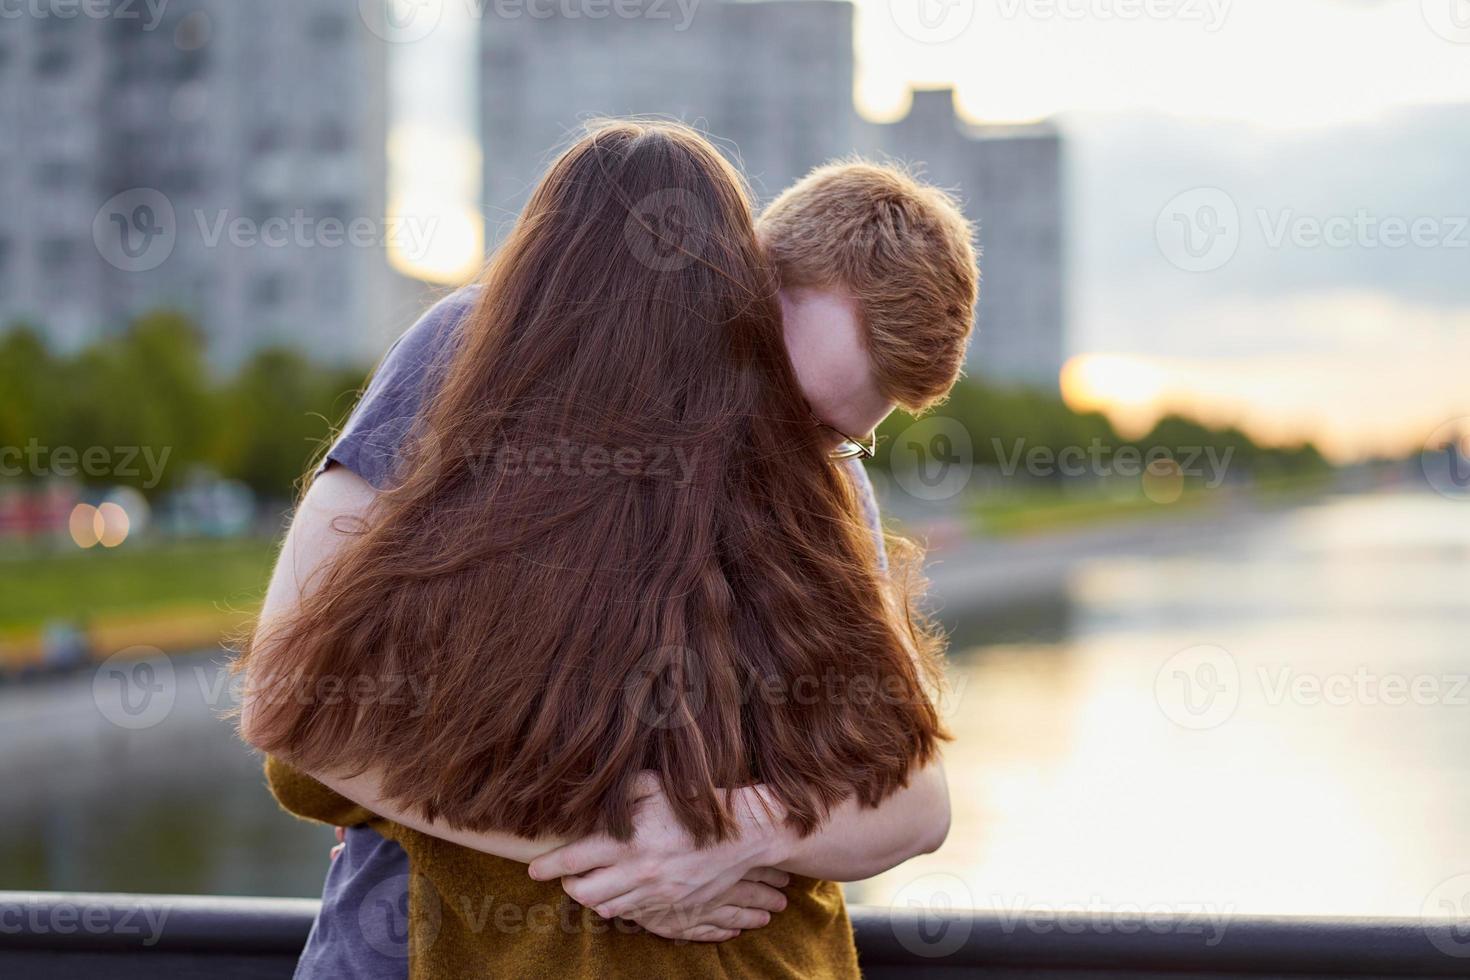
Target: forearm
336, 501
366, 790
858, 842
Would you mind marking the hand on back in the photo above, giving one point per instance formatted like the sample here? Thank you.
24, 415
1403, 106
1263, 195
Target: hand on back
661, 881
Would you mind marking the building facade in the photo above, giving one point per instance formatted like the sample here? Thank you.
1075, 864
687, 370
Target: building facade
773, 82
230, 159
1010, 181
202, 161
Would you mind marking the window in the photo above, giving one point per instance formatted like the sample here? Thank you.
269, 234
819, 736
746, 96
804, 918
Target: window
58, 258
268, 290
52, 60
330, 137
327, 27
267, 139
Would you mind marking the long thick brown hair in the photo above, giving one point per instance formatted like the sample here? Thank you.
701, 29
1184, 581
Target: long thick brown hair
615, 543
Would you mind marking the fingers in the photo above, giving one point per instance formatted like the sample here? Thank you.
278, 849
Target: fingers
671, 927
774, 877
578, 857
736, 918
604, 890
751, 895
336, 849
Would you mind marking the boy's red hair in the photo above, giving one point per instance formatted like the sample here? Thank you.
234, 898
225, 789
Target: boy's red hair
902, 250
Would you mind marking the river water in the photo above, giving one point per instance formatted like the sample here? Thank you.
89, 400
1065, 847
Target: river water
1271, 715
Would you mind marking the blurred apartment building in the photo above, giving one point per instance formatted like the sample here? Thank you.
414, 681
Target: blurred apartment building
1010, 180
773, 80
250, 126
278, 109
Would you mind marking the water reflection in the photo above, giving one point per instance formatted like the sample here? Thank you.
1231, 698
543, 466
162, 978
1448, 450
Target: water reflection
1331, 778
1043, 618
1267, 718
178, 807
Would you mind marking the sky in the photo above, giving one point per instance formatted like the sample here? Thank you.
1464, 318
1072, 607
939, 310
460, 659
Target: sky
1305, 113
1274, 62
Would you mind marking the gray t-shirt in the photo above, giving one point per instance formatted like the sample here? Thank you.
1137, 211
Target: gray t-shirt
361, 931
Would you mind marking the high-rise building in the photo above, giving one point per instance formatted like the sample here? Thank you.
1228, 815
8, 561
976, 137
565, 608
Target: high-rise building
1009, 179
773, 82
49, 162
215, 160
230, 159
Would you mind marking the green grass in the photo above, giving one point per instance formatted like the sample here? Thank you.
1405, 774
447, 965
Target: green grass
135, 579
184, 579
1042, 509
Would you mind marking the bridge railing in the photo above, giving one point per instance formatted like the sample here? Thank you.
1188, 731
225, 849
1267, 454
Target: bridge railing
61, 936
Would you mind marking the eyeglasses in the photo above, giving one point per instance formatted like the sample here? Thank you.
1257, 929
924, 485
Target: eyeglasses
850, 448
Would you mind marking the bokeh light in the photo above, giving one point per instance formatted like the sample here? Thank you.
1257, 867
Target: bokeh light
84, 526
1163, 481
112, 524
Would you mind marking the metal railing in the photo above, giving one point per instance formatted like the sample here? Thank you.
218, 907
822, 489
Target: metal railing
60, 936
